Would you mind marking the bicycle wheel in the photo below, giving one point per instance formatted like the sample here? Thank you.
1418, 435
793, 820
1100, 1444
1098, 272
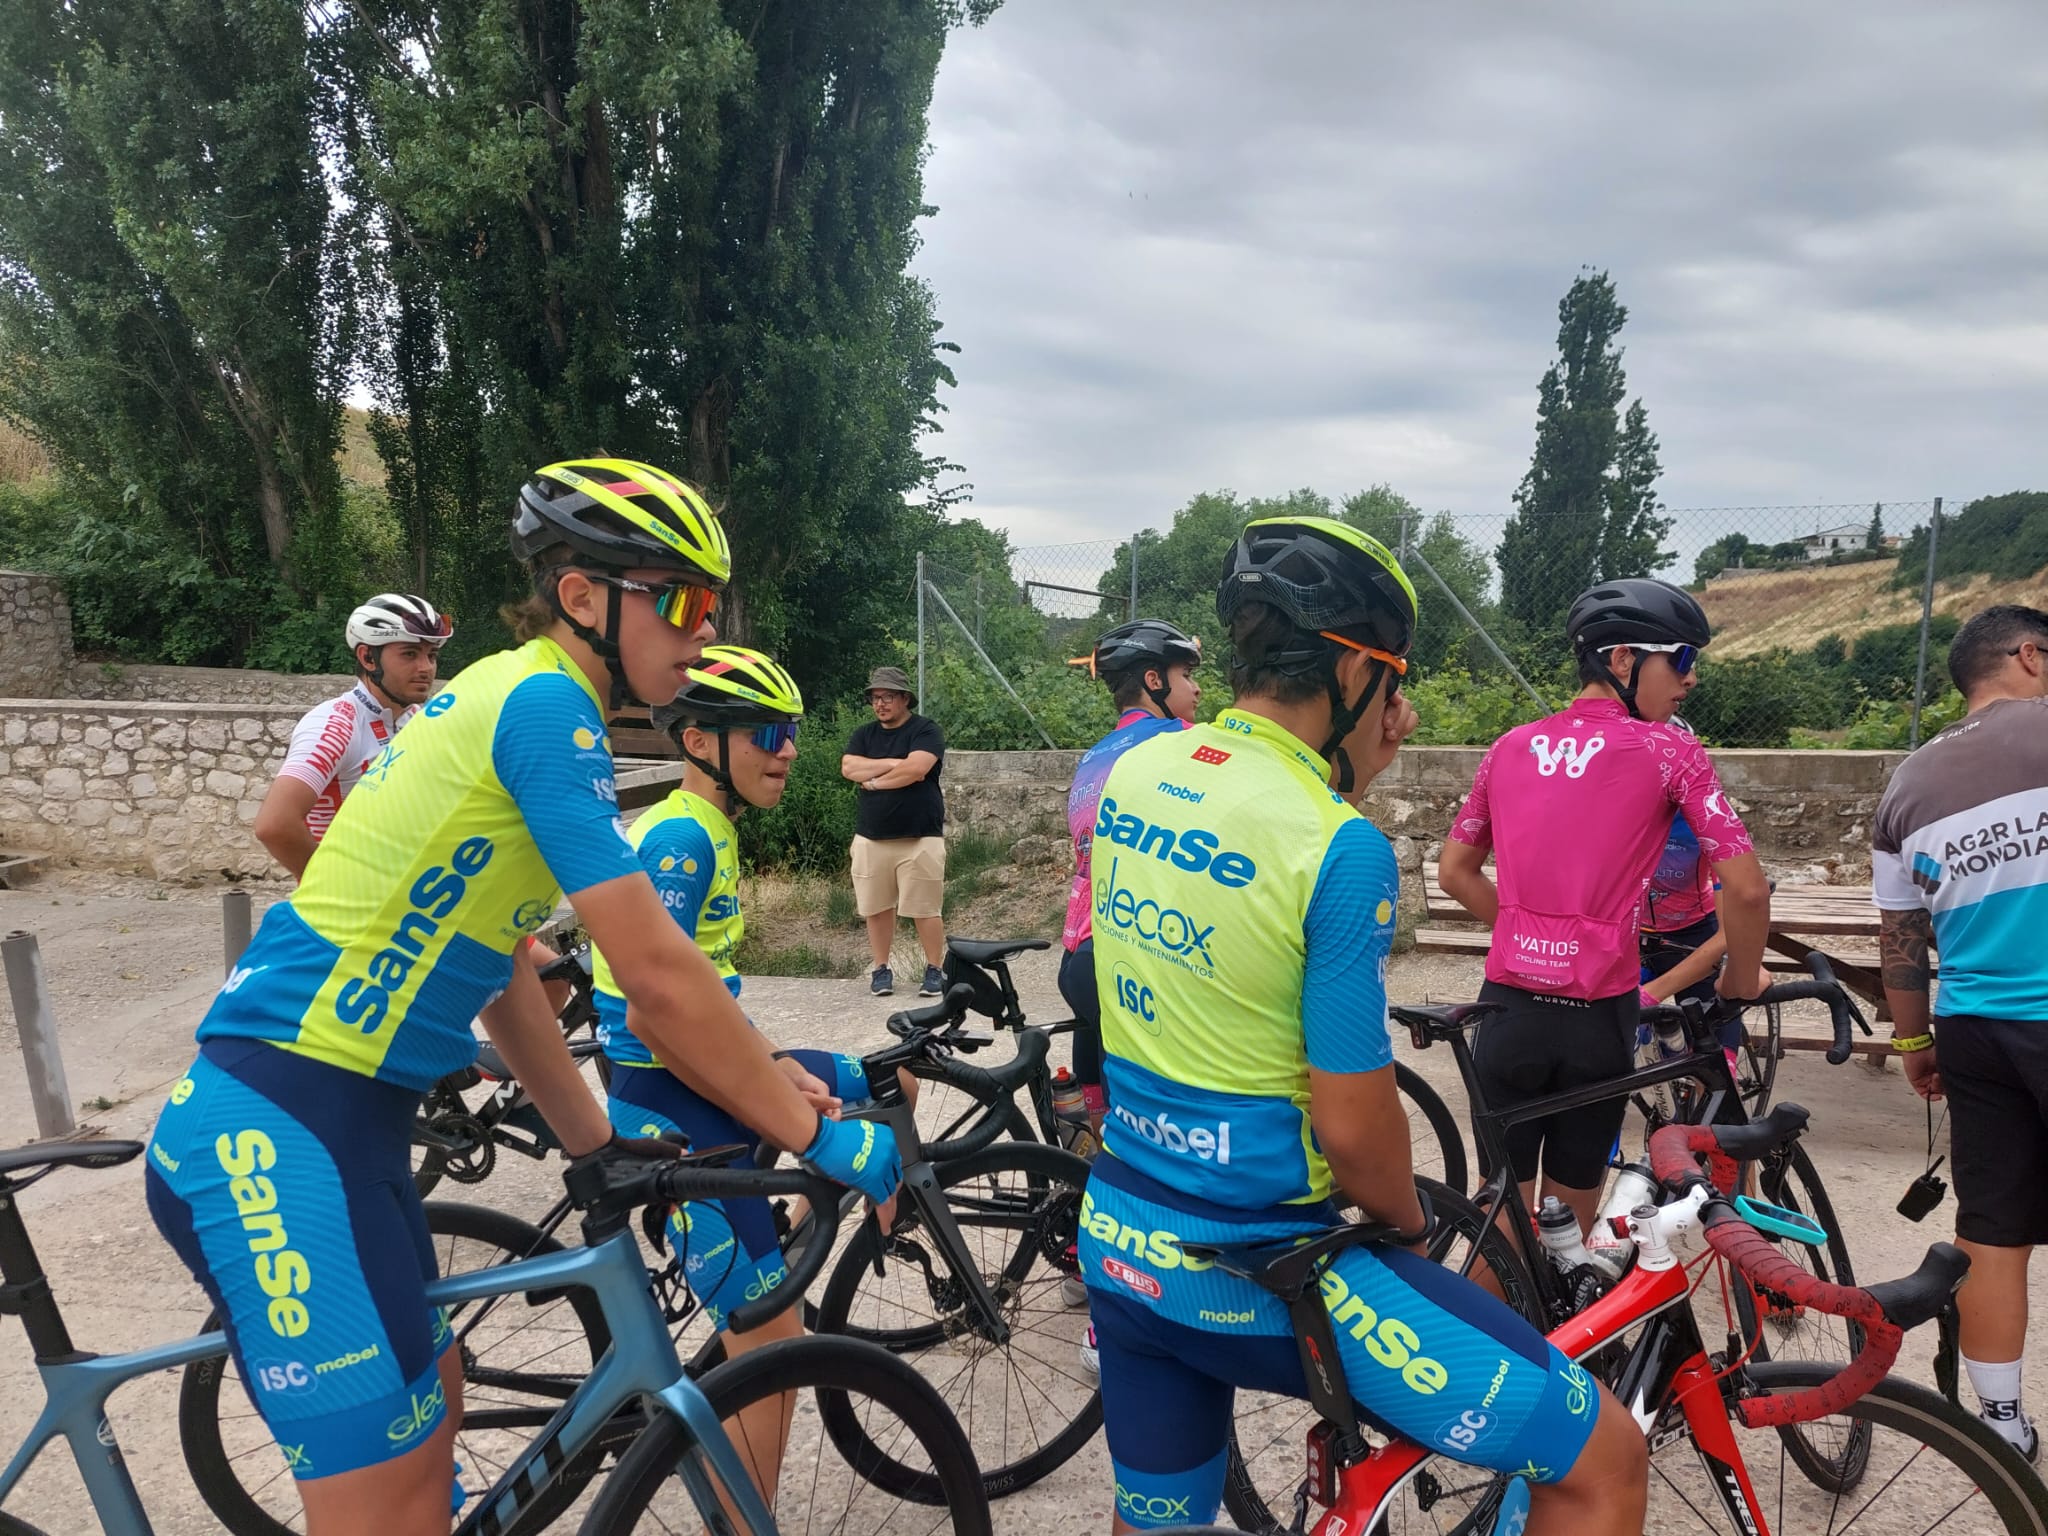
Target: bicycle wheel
522, 1356
9, 1526
1759, 1058
1832, 1455
1433, 1131
869, 1446
1026, 1402
1269, 1434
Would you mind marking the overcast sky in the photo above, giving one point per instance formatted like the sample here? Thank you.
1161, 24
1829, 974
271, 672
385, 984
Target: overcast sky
1188, 245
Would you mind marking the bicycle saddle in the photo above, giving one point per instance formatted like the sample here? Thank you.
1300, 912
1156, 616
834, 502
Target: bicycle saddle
1912, 1299
1440, 1021
1290, 1266
65, 1154
993, 951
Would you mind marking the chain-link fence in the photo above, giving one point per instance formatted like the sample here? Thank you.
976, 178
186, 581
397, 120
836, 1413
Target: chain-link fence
1830, 627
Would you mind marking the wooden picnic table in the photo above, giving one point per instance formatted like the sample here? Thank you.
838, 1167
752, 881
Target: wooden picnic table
1799, 913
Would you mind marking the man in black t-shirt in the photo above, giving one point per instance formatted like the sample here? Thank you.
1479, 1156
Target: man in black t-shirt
899, 844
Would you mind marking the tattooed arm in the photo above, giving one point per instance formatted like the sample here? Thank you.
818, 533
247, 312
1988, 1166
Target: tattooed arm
1903, 940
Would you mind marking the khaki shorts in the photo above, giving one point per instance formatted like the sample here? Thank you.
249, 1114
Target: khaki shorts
905, 875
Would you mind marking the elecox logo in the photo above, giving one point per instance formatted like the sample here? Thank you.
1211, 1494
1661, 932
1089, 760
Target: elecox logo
1168, 928
1194, 851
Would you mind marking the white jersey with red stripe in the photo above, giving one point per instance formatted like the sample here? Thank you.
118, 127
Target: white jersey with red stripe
333, 743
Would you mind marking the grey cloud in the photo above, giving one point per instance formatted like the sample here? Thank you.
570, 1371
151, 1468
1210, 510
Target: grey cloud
1192, 245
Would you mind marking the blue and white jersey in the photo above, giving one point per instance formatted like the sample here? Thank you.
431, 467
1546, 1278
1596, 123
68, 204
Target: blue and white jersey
1963, 832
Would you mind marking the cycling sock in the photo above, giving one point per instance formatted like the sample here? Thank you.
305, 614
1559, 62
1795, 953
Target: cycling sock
1998, 1389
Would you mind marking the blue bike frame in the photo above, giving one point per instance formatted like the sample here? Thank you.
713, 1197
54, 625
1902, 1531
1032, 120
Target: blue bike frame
640, 1364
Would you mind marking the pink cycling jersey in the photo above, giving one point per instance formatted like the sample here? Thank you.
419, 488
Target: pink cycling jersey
333, 743
1576, 809
1132, 727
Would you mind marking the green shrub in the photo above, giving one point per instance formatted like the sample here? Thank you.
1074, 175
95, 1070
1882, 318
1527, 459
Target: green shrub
1757, 701
1458, 709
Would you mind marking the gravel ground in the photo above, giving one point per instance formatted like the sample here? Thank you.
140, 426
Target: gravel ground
131, 965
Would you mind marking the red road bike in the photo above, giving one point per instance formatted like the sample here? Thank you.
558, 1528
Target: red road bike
1929, 1466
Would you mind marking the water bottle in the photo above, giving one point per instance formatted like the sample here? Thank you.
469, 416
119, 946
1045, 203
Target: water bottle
1559, 1229
1070, 1109
1635, 1185
1670, 1028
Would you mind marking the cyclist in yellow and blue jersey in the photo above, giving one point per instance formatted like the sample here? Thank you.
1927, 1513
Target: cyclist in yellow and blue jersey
280, 1168
736, 726
1243, 919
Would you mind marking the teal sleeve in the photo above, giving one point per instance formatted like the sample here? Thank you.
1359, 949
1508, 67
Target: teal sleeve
678, 858
1350, 934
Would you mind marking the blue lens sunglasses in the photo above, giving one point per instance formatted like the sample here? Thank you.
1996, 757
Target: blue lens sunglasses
773, 738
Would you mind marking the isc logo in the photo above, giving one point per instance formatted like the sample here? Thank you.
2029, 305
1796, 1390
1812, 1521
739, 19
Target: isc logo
1135, 998
291, 1376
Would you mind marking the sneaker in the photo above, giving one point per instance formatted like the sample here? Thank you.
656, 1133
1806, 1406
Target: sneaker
1091, 1362
883, 982
1072, 1291
934, 982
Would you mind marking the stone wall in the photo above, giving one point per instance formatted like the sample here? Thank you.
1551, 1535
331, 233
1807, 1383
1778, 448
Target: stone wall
1808, 811
35, 635
201, 685
167, 790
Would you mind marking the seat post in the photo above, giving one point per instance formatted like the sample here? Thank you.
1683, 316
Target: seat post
24, 1288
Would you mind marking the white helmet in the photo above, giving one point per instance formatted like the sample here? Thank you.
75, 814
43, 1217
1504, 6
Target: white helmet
394, 618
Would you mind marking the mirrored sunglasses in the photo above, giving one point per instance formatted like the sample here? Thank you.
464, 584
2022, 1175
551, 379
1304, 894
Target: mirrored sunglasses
681, 603
773, 738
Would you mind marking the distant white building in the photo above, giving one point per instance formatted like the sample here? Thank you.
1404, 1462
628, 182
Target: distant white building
1834, 541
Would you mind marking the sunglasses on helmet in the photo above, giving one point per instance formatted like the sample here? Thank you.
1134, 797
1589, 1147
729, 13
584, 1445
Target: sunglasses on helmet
681, 603
1398, 663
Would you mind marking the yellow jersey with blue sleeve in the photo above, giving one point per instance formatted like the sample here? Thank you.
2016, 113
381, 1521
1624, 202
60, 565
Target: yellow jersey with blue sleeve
688, 849
451, 851
1243, 916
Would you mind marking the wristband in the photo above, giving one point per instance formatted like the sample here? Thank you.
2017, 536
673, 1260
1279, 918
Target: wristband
1908, 1046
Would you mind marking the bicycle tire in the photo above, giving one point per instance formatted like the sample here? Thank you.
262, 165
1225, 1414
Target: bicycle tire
832, 1370
10, 1526
1448, 1165
1763, 1063
243, 1512
1791, 1180
1459, 1220
981, 1198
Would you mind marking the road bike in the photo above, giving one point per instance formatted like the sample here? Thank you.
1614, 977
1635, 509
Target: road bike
677, 1465
1927, 1466
1697, 1084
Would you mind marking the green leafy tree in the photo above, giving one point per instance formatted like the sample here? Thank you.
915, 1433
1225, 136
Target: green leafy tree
1440, 635
176, 303
1587, 507
677, 231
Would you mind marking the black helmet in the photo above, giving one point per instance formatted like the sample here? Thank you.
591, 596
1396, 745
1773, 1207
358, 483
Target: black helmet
1327, 578
1636, 610
1141, 646
1322, 574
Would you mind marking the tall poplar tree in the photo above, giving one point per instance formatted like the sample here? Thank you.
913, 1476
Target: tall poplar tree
1587, 508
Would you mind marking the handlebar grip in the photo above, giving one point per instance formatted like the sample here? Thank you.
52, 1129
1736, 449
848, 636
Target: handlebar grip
1767, 1269
1838, 1010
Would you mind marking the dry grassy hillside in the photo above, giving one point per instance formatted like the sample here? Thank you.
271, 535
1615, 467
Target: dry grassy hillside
21, 459
1792, 609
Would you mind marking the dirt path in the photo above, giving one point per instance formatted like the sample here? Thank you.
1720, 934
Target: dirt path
131, 968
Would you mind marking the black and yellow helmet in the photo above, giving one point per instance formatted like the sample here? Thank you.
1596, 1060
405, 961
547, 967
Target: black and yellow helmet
1325, 576
618, 514
733, 685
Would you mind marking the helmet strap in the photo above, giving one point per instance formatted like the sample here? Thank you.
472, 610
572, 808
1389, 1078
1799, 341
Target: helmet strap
1344, 717
599, 641
1627, 690
721, 773
1159, 695
373, 674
